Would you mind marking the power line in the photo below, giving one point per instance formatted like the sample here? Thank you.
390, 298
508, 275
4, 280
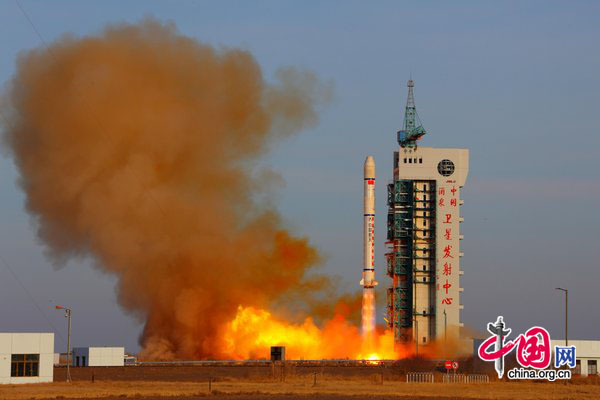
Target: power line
4, 262
94, 118
89, 109
14, 275
31, 23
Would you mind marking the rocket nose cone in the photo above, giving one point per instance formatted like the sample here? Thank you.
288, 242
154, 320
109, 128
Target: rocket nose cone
369, 167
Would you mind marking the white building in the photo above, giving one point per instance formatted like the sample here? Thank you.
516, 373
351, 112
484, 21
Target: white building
587, 354
26, 357
424, 219
98, 356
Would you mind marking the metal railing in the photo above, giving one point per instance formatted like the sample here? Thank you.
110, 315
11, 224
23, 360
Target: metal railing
454, 378
419, 377
478, 378
462, 378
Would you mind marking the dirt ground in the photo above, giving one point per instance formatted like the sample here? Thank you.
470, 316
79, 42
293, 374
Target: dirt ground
284, 397
265, 382
330, 389
203, 374
267, 371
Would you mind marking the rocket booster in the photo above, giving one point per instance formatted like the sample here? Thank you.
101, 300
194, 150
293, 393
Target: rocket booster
368, 273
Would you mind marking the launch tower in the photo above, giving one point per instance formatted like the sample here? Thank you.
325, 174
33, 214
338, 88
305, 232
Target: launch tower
423, 258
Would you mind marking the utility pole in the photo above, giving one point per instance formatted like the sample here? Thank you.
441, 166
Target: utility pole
416, 336
566, 314
68, 316
445, 333
445, 327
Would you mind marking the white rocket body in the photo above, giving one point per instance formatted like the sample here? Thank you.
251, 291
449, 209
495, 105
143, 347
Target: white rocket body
368, 274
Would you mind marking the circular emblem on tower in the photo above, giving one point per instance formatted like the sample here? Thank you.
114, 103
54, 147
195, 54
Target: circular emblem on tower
446, 167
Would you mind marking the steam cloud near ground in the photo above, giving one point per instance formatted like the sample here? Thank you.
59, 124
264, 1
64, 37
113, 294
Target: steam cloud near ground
137, 147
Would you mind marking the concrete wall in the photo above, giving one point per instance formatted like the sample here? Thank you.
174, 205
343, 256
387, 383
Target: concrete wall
27, 343
99, 356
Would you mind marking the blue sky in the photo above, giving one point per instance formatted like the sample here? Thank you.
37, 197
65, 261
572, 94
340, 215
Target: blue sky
515, 82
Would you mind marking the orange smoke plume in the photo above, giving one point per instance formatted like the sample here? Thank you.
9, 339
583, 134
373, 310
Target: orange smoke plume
137, 147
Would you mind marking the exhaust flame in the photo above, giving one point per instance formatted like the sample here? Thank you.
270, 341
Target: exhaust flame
368, 313
253, 331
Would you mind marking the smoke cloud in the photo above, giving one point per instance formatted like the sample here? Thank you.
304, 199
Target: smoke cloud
138, 147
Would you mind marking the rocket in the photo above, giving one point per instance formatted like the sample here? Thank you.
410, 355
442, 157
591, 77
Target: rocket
368, 281
368, 274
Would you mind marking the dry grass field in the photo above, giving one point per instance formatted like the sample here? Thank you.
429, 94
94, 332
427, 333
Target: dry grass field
248, 383
295, 389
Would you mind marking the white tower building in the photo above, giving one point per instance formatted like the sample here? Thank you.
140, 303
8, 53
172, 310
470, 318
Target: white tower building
424, 236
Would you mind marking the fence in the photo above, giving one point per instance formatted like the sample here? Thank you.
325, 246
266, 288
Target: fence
478, 378
419, 377
454, 378
462, 378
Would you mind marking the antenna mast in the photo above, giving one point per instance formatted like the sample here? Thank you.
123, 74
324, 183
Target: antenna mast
412, 130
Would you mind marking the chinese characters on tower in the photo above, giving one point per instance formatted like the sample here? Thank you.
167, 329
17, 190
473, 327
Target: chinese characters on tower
447, 276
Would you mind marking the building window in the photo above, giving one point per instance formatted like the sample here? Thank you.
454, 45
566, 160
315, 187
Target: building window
420, 161
404, 160
410, 160
424, 279
424, 197
424, 339
25, 365
577, 367
592, 367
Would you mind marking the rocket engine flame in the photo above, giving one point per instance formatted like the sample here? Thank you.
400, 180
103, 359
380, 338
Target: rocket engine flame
253, 331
